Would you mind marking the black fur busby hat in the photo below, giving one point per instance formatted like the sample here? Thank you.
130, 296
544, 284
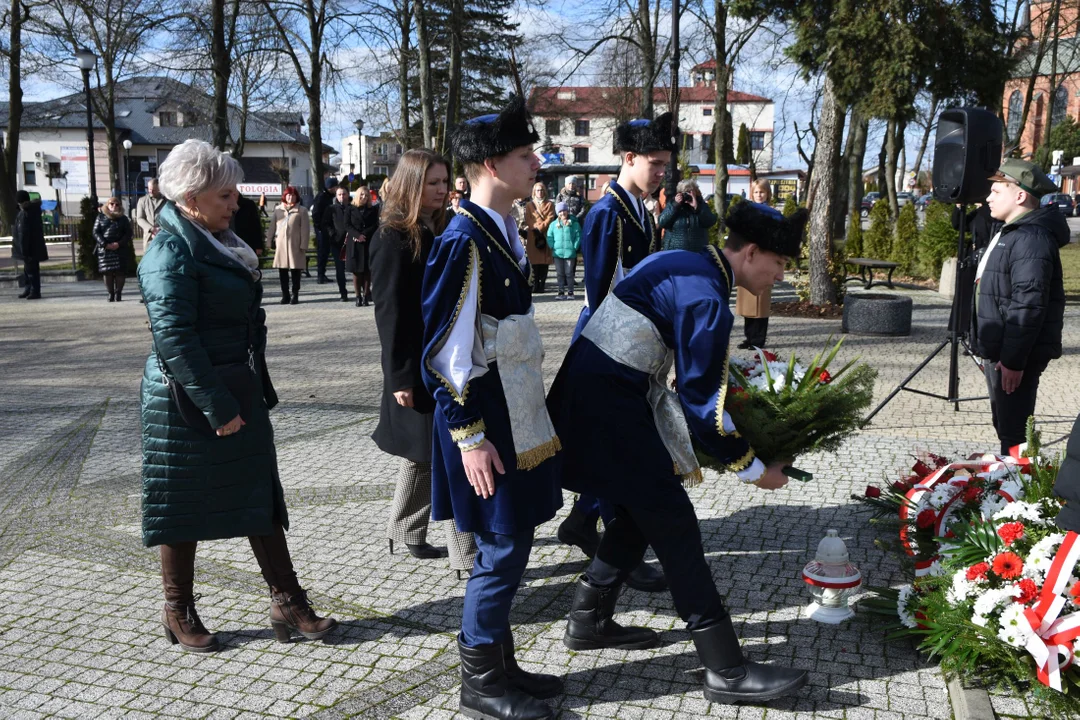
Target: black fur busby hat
645, 136
475, 140
767, 228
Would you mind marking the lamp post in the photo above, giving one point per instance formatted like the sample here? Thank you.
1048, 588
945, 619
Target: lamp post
360, 146
127, 174
87, 60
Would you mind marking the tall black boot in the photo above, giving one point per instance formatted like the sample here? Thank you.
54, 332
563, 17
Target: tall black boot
538, 685
284, 278
731, 678
590, 625
579, 529
647, 578
485, 692
295, 287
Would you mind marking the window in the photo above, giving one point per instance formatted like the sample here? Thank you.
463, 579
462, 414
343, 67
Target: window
551, 127
382, 170
688, 142
757, 141
707, 112
29, 174
1016, 106
706, 142
581, 155
54, 169
1061, 104
592, 183
581, 127
167, 119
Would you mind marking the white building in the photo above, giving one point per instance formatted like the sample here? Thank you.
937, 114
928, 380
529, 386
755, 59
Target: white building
155, 114
579, 123
367, 155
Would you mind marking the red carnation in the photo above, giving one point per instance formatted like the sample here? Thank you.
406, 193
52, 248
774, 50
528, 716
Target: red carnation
737, 390
825, 377
971, 494
921, 469
938, 460
1011, 532
1074, 591
770, 357
978, 571
925, 519
1008, 565
1028, 591
872, 492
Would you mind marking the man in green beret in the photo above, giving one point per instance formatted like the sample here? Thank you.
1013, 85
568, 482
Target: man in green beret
1019, 295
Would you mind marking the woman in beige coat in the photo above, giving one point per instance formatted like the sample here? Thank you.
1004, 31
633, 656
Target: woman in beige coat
539, 213
289, 231
755, 308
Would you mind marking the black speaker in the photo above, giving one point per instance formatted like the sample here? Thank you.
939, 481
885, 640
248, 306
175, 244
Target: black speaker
967, 151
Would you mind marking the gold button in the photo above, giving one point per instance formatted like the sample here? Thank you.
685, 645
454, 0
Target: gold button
629, 248
507, 282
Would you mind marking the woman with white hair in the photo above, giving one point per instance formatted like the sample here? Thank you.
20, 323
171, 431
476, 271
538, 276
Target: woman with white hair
687, 219
209, 463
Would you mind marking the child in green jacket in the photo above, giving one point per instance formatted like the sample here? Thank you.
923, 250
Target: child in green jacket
564, 239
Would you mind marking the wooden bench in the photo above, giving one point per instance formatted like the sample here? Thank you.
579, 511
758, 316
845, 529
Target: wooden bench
867, 266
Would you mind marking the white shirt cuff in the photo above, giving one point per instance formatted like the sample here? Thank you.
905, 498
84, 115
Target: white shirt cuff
471, 442
752, 473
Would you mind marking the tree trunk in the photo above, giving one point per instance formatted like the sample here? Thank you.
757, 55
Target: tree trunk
881, 165
842, 179
894, 140
826, 158
723, 119
926, 137
9, 156
405, 27
1052, 93
453, 89
648, 58
856, 189
1029, 94
427, 106
222, 68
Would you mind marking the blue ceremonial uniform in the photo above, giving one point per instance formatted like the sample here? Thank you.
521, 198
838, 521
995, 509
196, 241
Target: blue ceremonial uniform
614, 231
523, 499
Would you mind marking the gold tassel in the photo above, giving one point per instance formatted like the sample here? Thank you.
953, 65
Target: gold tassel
531, 458
690, 479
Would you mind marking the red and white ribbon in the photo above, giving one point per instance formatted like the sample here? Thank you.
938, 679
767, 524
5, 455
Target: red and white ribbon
1054, 635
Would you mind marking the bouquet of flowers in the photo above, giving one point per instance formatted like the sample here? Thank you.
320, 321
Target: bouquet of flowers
994, 593
788, 409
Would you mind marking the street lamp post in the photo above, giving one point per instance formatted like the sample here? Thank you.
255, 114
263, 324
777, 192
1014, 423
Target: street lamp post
127, 175
87, 61
360, 145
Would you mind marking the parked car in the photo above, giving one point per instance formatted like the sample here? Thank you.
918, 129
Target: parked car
903, 198
922, 201
1061, 201
871, 197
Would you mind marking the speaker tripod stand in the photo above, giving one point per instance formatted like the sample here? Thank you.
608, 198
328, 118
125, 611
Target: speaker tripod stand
959, 320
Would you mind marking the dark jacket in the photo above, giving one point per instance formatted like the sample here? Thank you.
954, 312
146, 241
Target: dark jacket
202, 303
396, 285
686, 228
318, 208
107, 231
362, 221
247, 223
1067, 484
575, 204
335, 222
1020, 302
28, 242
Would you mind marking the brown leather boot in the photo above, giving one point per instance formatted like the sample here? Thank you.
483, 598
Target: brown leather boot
294, 612
178, 616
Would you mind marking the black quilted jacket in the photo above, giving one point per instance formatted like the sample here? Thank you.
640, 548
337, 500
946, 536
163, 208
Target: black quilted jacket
1021, 296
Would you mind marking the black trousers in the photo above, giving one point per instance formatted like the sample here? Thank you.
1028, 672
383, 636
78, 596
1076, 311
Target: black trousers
540, 273
676, 540
32, 270
322, 252
284, 275
1011, 411
756, 329
339, 267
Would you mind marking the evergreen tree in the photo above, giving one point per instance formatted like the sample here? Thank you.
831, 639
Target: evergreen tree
905, 243
743, 154
853, 242
790, 206
877, 241
937, 240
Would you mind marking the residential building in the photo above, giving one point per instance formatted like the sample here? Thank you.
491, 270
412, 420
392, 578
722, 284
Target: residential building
368, 155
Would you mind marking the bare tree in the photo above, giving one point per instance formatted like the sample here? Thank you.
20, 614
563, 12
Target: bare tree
827, 155
427, 100
14, 17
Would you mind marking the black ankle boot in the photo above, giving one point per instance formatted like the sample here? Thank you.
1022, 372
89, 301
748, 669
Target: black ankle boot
538, 685
579, 529
485, 692
424, 551
731, 678
590, 625
647, 578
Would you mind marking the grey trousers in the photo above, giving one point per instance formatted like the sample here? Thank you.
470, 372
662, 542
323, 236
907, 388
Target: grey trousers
411, 513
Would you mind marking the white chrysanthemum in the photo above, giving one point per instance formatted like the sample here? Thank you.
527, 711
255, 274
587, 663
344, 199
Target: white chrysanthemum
1015, 630
991, 599
759, 382
1020, 510
991, 506
961, 588
902, 600
1013, 488
740, 363
935, 569
942, 494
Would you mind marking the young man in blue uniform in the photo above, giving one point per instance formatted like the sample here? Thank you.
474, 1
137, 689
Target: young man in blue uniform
617, 235
619, 368
492, 471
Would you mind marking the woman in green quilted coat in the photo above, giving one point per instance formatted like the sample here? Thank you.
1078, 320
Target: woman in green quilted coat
213, 475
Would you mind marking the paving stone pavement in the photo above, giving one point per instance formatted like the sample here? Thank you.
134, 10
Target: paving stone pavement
80, 595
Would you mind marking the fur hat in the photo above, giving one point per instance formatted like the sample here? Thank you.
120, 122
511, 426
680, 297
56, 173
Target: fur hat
645, 136
475, 140
767, 228
22, 196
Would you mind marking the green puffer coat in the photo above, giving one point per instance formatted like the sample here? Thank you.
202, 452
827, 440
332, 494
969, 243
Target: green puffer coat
196, 486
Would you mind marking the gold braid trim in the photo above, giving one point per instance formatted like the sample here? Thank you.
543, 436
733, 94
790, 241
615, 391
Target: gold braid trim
690, 479
468, 431
474, 259
742, 463
618, 255
529, 459
633, 215
721, 394
496, 243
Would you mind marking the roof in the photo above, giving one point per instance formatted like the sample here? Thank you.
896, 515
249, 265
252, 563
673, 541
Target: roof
608, 101
138, 98
709, 64
1068, 59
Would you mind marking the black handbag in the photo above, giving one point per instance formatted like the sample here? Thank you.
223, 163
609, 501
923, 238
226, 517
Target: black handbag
238, 378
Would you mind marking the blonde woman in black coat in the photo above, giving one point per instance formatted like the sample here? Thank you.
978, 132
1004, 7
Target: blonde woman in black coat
413, 212
363, 222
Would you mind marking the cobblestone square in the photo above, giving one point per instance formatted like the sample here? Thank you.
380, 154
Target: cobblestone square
80, 596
